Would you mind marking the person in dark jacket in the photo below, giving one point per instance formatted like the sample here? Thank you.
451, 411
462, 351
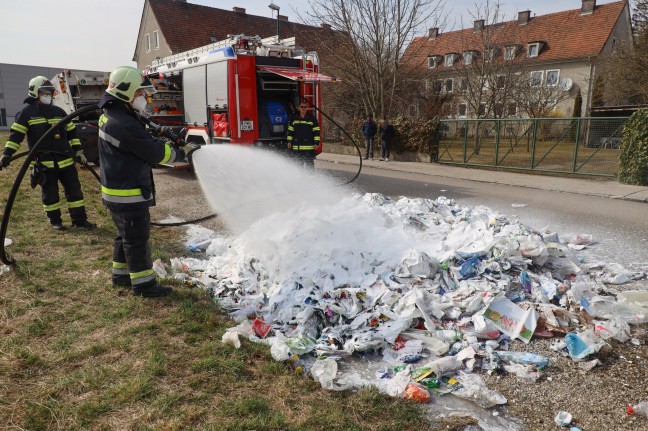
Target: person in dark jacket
54, 162
126, 155
369, 132
387, 133
304, 135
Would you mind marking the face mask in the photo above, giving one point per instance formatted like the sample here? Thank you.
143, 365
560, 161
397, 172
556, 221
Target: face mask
139, 103
46, 99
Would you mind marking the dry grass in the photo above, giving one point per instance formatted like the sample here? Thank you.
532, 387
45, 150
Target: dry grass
77, 354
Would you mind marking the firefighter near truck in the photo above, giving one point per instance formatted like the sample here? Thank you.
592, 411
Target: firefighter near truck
242, 90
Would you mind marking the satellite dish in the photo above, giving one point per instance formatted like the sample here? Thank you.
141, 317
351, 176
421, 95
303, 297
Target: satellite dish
566, 84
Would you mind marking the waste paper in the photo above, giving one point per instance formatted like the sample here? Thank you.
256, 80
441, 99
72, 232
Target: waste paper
431, 292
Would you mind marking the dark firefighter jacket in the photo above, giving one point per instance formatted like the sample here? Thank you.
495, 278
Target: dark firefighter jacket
126, 155
33, 121
304, 133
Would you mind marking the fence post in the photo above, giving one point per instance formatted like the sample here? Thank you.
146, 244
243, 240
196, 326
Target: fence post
466, 141
533, 143
575, 161
497, 139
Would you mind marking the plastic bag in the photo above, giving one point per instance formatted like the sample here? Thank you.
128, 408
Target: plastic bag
231, 337
417, 392
474, 389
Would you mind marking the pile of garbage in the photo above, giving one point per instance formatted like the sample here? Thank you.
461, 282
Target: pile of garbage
413, 296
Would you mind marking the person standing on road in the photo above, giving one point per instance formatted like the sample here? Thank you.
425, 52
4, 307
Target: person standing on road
126, 154
304, 135
369, 132
387, 133
54, 161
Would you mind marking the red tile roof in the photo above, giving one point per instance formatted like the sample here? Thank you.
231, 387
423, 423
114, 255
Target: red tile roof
567, 35
186, 26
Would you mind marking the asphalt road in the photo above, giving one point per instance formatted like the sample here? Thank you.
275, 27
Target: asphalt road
619, 227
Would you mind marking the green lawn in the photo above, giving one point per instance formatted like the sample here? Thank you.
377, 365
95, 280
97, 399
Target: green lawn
77, 354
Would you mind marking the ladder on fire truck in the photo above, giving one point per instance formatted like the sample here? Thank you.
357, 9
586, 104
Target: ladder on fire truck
310, 94
240, 44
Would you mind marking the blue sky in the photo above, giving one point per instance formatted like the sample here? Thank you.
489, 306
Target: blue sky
100, 35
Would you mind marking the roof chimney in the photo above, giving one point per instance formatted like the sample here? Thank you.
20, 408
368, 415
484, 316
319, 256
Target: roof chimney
433, 33
523, 17
238, 9
588, 7
282, 17
326, 26
479, 25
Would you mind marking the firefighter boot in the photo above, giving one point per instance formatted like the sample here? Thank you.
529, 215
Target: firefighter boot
85, 224
153, 291
121, 281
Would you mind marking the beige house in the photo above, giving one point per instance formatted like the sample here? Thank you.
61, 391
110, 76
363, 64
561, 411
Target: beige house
172, 26
530, 67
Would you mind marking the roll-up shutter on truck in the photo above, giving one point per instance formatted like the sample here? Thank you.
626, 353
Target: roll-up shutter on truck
194, 83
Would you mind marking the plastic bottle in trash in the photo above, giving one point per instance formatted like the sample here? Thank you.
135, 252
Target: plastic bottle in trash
524, 358
639, 409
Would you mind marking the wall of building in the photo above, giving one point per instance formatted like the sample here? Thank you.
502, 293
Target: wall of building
149, 27
14, 80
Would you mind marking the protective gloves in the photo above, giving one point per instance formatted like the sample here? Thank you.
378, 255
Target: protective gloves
4, 161
188, 150
80, 157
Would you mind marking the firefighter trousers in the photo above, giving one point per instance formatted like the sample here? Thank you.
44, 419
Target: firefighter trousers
69, 178
132, 263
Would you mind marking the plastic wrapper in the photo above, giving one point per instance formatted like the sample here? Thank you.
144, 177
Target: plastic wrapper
417, 392
474, 389
231, 337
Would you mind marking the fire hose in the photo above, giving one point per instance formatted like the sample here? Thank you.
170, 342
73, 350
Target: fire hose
164, 131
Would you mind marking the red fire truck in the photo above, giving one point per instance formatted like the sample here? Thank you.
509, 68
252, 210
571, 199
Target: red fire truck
242, 90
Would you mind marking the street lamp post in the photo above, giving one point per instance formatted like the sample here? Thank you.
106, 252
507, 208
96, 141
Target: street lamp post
274, 8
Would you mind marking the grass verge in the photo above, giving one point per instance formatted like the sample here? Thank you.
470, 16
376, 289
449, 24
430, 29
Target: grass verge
77, 354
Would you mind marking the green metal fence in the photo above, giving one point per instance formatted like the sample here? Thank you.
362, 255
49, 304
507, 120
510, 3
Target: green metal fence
584, 146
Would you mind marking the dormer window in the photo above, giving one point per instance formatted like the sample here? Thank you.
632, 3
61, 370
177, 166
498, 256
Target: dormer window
490, 54
469, 57
450, 59
510, 52
434, 61
533, 49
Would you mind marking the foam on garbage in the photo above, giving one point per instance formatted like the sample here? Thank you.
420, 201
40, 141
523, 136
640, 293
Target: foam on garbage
353, 277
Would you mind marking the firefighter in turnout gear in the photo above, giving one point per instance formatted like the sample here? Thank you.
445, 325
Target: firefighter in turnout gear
126, 153
304, 135
55, 159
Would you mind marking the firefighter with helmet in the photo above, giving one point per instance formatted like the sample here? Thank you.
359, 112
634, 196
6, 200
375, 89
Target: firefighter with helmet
126, 154
54, 161
304, 135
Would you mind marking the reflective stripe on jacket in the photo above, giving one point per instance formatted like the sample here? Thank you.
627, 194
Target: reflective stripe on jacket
33, 121
126, 155
304, 133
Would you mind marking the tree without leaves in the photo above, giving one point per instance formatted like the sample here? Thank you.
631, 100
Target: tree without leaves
372, 36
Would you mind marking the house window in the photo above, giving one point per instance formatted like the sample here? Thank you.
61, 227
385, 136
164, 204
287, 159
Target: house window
147, 40
463, 109
533, 49
438, 85
489, 55
468, 57
499, 110
552, 77
463, 84
434, 61
614, 45
511, 110
536, 78
510, 52
156, 40
448, 85
500, 81
450, 59
482, 110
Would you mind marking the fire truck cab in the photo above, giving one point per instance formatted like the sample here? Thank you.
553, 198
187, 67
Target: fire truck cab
242, 90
